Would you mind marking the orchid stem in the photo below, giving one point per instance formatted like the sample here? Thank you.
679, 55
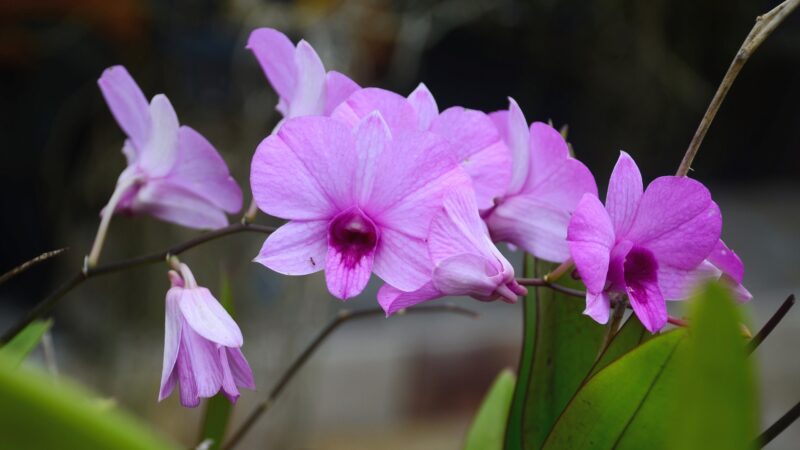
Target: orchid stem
771, 324
764, 26
779, 426
556, 287
30, 263
613, 325
343, 317
105, 221
559, 271
252, 211
47, 304
677, 322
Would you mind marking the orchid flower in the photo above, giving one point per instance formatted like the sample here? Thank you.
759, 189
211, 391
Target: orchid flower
201, 346
297, 75
545, 187
173, 172
465, 260
358, 199
647, 245
474, 140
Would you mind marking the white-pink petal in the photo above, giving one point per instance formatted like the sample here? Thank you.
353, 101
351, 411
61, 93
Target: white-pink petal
127, 103
425, 105
308, 97
296, 248
591, 238
208, 318
624, 192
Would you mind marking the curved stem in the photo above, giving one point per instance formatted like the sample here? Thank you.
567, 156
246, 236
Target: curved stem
556, 287
764, 26
559, 271
343, 317
30, 263
47, 304
105, 221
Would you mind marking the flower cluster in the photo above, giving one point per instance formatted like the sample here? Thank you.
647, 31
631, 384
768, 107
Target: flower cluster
370, 181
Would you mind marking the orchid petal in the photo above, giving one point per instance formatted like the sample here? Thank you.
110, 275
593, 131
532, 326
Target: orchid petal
727, 261
229, 388
539, 228
466, 274
208, 318
425, 105
480, 150
309, 93
242, 373
337, 88
276, 55
199, 368
201, 170
677, 221
172, 203
158, 157
392, 299
372, 137
296, 248
402, 260
624, 192
458, 229
395, 109
417, 170
678, 284
127, 103
519, 141
598, 307
306, 171
172, 342
591, 238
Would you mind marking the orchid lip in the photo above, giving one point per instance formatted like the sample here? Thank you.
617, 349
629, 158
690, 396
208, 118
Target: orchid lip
353, 234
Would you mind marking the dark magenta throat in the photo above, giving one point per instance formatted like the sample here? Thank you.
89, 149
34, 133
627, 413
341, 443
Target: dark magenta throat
353, 235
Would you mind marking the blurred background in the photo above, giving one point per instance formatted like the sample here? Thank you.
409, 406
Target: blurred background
623, 74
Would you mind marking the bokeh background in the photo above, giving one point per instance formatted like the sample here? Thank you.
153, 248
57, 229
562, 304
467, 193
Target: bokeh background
623, 74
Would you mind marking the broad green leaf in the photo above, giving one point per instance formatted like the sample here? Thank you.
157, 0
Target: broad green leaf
23, 344
630, 335
601, 412
488, 428
560, 346
513, 439
718, 391
218, 408
38, 414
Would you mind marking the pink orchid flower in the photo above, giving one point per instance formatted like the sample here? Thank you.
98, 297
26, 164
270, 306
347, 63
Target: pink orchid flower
647, 246
173, 172
474, 140
545, 187
465, 260
297, 75
358, 199
201, 346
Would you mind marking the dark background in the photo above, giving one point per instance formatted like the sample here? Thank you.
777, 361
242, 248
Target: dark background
623, 74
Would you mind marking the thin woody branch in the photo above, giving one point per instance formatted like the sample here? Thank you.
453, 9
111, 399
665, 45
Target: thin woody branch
47, 304
764, 26
30, 263
343, 317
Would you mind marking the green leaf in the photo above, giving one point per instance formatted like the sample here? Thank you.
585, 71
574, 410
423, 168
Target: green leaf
38, 414
560, 345
218, 408
488, 427
630, 335
601, 412
25, 342
718, 402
